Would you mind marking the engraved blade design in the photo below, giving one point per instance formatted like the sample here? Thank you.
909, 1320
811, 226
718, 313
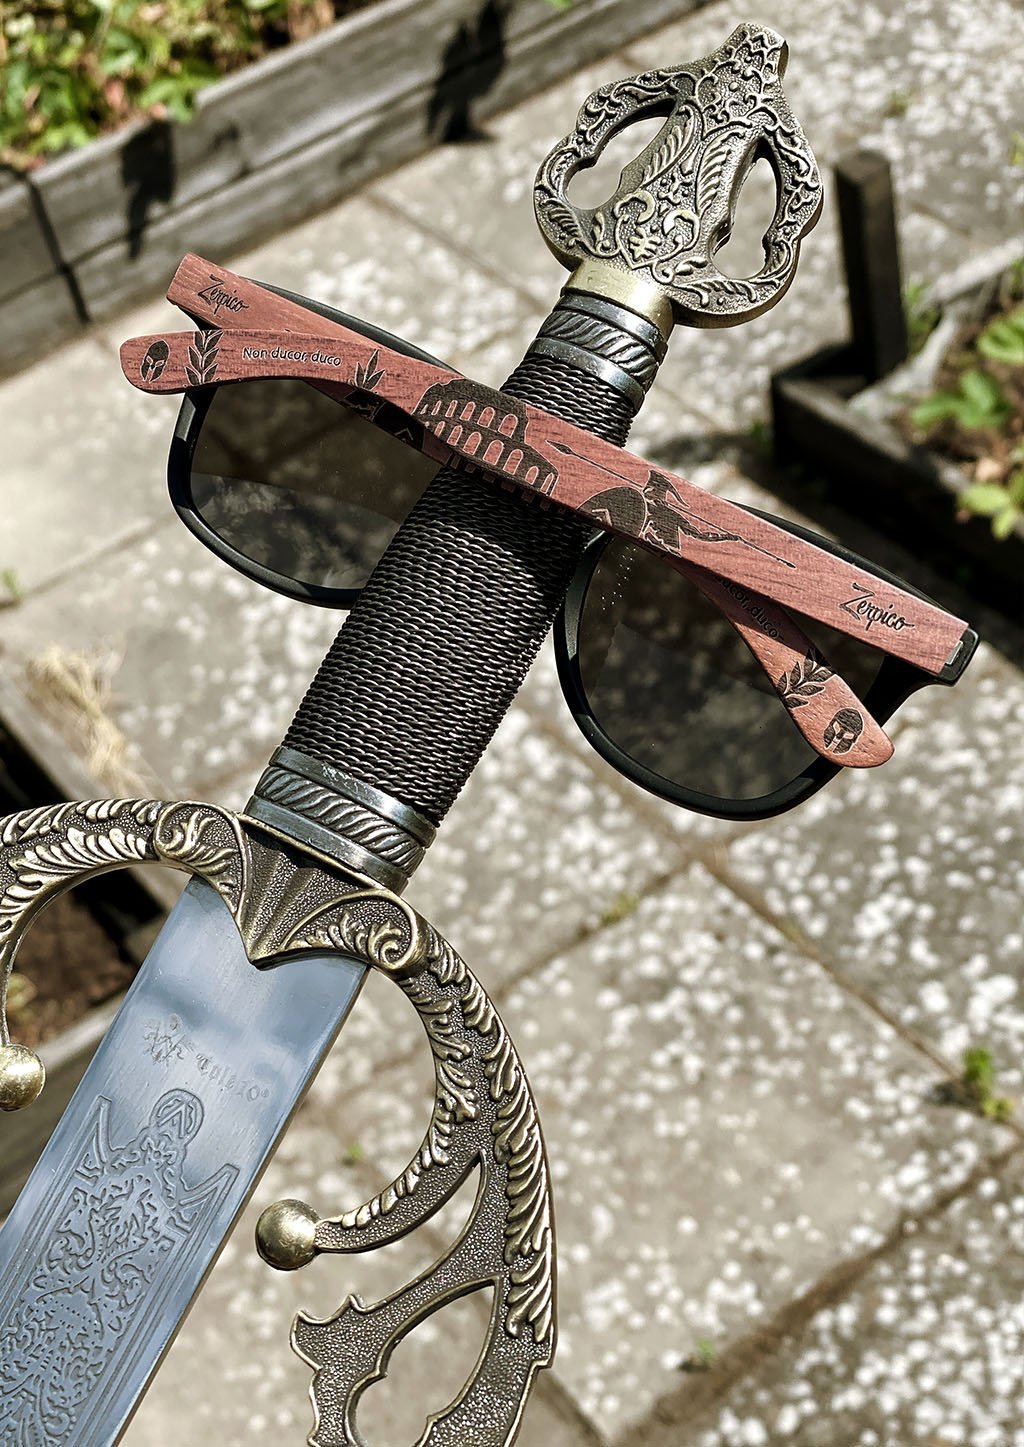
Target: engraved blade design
149, 1167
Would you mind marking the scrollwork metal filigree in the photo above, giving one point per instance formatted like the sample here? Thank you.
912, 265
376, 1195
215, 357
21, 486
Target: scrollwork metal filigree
484, 1119
282, 905
675, 203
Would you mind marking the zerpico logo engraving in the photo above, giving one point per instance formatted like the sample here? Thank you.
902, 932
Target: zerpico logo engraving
218, 296
866, 610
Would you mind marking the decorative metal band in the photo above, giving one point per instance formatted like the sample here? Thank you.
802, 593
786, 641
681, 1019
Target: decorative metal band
604, 339
341, 816
616, 311
596, 366
626, 288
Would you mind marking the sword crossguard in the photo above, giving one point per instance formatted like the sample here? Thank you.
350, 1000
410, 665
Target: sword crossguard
676, 202
484, 1121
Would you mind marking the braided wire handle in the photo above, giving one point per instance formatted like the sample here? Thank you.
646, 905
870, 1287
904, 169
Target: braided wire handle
674, 205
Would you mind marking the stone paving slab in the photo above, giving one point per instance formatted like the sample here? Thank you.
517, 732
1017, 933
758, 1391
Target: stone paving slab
534, 856
78, 448
212, 662
951, 151
927, 1350
364, 259
851, 61
478, 196
907, 878
724, 1124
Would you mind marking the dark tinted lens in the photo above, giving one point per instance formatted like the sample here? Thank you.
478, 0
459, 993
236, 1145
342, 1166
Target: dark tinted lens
301, 485
672, 684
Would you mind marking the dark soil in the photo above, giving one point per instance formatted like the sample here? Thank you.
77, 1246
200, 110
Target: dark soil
71, 958
72, 963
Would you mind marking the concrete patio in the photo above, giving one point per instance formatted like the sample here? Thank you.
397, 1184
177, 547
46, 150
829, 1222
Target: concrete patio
771, 1228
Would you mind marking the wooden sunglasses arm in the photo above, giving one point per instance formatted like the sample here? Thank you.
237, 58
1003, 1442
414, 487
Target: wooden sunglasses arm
484, 429
812, 693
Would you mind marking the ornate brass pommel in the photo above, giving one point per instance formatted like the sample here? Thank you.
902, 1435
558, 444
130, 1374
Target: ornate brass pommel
675, 203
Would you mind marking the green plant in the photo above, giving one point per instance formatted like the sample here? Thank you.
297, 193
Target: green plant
921, 313
706, 1353
978, 403
620, 908
701, 1359
11, 586
1016, 156
1003, 339
898, 104
72, 69
353, 1154
20, 994
761, 437
1004, 505
979, 1086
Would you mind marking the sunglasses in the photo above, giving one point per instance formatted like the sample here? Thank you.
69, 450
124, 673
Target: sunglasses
678, 652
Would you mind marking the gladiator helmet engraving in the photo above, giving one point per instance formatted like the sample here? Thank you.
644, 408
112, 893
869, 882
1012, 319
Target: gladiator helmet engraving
844, 730
154, 361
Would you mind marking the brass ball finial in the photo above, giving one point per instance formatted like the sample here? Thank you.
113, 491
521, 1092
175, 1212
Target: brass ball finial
285, 1235
22, 1075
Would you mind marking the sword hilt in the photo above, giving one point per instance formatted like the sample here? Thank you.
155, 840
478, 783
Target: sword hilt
441, 638
653, 242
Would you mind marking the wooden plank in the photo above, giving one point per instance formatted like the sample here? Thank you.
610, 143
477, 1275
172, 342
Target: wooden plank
37, 738
24, 245
307, 125
35, 321
118, 186
871, 258
26, 1132
260, 205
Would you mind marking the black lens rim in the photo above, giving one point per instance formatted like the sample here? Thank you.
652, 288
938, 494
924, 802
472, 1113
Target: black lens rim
195, 405
895, 682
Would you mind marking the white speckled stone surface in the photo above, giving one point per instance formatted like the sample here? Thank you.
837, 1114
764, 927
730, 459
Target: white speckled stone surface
927, 1348
78, 447
735, 1109
908, 878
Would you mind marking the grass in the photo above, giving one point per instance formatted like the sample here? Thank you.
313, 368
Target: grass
620, 908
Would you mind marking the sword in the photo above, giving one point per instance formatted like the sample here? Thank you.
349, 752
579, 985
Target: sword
291, 902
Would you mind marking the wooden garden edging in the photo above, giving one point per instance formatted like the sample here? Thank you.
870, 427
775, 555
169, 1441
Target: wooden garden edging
101, 227
850, 454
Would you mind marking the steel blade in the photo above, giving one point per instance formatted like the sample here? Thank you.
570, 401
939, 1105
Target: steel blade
149, 1167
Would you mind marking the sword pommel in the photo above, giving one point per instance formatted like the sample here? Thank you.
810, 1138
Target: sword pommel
22, 1076
651, 245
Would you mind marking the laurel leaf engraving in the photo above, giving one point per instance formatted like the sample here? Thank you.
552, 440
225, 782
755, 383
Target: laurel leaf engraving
201, 366
806, 681
717, 155
367, 377
679, 141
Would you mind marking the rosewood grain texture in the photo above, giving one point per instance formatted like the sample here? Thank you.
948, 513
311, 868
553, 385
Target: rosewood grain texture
475, 427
